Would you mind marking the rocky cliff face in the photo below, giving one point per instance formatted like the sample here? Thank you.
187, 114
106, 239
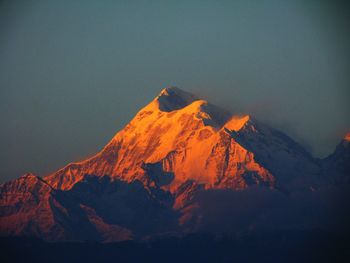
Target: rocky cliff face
144, 181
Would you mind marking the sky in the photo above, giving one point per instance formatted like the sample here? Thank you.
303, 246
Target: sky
72, 73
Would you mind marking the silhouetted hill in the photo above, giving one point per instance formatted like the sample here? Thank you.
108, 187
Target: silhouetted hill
284, 246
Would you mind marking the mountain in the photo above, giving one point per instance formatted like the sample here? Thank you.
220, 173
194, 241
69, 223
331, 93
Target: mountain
94, 209
175, 138
179, 137
146, 181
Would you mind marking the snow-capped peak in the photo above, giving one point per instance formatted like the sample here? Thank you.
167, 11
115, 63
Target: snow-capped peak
173, 98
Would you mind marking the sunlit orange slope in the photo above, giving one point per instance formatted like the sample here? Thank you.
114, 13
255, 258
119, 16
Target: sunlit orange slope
176, 138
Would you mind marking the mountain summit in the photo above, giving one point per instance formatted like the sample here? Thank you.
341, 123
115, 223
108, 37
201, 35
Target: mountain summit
173, 98
176, 138
146, 179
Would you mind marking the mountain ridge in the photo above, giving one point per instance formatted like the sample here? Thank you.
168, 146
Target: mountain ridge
175, 148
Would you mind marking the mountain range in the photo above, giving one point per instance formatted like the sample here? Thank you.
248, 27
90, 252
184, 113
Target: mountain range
149, 179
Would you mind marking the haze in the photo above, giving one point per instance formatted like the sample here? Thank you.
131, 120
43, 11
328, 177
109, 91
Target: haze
72, 73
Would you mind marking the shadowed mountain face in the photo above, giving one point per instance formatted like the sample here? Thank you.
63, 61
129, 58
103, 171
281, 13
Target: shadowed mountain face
337, 165
150, 179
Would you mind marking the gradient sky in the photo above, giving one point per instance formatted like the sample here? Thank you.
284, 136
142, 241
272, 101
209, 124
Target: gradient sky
72, 73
